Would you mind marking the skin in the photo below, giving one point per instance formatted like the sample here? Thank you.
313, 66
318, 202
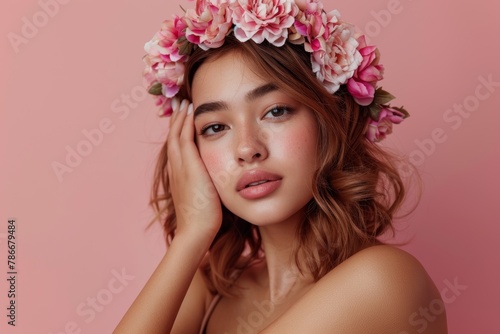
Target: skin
226, 133
270, 132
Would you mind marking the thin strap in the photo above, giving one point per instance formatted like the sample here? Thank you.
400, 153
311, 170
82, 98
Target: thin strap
210, 309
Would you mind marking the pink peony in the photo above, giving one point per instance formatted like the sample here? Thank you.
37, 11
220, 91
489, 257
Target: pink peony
333, 48
335, 62
261, 20
363, 83
378, 130
164, 105
209, 24
164, 61
163, 47
171, 76
310, 22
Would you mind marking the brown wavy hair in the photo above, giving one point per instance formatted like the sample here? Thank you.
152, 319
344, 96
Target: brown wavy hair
356, 189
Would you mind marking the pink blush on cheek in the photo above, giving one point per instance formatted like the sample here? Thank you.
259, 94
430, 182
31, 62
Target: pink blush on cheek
215, 163
298, 144
211, 160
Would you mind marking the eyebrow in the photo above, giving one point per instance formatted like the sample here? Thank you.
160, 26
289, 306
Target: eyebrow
250, 96
260, 91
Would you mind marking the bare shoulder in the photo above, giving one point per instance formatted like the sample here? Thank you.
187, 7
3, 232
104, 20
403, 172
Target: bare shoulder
383, 267
380, 289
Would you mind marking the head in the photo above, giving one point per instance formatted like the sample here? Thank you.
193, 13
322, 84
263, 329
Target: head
349, 189
346, 202
248, 130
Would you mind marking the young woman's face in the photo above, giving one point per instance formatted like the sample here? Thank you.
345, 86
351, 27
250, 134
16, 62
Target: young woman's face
258, 143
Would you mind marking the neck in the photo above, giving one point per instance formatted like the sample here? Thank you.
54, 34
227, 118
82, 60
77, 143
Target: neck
282, 274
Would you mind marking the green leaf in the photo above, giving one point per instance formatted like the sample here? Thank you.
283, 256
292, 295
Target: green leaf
402, 110
185, 47
155, 89
382, 96
374, 111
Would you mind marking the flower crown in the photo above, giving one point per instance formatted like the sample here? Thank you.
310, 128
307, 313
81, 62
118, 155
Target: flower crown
338, 56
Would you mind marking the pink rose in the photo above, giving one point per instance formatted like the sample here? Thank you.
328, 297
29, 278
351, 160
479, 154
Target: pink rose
378, 130
209, 24
363, 83
261, 20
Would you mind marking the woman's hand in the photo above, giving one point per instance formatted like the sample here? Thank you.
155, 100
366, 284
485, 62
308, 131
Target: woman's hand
199, 216
197, 204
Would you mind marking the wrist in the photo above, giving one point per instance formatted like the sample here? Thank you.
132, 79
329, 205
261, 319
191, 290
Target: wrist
200, 230
195, 241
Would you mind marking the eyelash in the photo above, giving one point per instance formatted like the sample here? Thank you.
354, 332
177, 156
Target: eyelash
281, 108
204, 130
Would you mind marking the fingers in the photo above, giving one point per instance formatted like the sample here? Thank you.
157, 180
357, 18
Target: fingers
177, 118
187, 134
181, 132
189, 180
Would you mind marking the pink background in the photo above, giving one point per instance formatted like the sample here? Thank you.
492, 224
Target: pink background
77, 232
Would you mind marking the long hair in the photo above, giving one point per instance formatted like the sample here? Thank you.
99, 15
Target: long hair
356, 189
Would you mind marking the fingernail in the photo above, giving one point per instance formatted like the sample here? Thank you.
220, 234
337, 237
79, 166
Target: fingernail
190, 108
183, 104
175, 104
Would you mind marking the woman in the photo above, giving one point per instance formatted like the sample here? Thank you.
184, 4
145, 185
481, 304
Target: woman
270, 186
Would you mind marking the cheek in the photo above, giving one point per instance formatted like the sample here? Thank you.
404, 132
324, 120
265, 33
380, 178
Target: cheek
211, 159
216, 162
300, 144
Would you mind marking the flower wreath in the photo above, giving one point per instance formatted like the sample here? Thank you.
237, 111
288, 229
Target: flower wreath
338, 55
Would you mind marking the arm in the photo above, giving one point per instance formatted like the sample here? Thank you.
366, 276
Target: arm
156, 308
379, 290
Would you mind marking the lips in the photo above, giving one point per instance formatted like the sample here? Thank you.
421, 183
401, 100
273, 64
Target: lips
257, 183
255, 177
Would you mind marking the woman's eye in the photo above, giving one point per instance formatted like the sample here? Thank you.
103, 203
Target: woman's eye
278, 112
212, 129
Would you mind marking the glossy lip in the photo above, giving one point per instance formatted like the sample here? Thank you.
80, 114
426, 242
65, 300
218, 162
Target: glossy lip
273, 181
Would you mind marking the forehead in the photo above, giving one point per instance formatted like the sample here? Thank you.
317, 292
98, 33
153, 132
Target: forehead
225, 77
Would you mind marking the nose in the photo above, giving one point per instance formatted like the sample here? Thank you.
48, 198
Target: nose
250, 146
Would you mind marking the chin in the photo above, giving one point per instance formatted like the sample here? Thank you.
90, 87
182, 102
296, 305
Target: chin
264, 215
